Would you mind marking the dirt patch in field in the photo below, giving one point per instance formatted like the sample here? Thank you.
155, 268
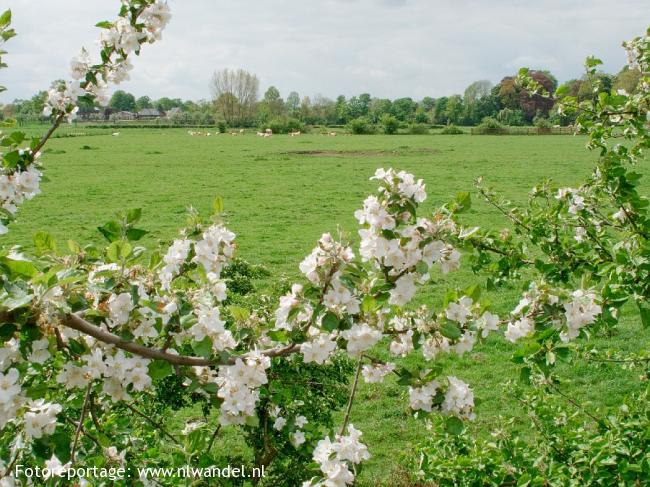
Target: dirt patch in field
361, 153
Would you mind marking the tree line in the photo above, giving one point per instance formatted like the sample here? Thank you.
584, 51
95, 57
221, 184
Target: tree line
235, 101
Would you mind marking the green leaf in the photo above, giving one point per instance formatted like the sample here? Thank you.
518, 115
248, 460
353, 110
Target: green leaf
74, 247
134, 215
238, 313
368, 304
451, 330
118, 251
135, 234
454, 426
5, 18
44, 243
217, 206
20, 268
203, 348
105, 24
111, 230
278, 335
463, 202
159, 369
17, 299
330, 321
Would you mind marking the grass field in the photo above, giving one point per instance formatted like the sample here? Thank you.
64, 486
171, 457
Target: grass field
282, 193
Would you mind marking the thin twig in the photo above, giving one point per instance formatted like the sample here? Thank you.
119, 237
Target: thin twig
85, 432
214, 437
57, 121
574, 403
80, 425
157, 425
351, 398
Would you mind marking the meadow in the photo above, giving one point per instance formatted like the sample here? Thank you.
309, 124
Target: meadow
281, 193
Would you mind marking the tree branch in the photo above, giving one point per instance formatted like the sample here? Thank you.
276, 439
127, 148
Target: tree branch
75, 322
351, 398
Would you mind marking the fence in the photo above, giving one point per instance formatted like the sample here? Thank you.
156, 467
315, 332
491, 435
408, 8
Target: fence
523, 131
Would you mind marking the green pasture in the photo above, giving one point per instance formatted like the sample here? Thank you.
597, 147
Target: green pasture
281, 193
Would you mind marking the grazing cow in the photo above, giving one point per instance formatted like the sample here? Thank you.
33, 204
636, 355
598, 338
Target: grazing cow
269, 131
332, 134
116, 134
241, 131
234, 133
294, 134
260, 134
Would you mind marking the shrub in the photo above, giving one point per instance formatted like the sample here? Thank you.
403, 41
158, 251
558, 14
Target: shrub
490, 123
566, 449
222, 127
451, 130
542, 123
360, 126
511, 117
419, 129
390, 123
284, 125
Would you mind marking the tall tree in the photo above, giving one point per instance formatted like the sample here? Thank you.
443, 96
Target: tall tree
122, 101
235, 94
272, 105
404, 108
293, 103
143, 102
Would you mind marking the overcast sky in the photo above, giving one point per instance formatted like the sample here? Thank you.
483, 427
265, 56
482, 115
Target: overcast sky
389, 48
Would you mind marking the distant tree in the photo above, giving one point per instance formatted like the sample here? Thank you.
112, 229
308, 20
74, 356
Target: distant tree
627, 79
293, 103
439, 116
513, 97
404, 109
474, 110
122, 101
477, 90
341, 109
594, 84
165, 104
378, 108
271, 106
427, 104
323, 111
143, 102
420, 116
235, 94
569, 88
306, 113
454, 109
358, 106
551, 77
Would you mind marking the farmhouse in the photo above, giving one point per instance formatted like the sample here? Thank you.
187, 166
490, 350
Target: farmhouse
149, 113
123, 115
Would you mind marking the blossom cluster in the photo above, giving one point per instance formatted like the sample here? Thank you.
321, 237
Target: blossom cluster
336, 457
280, 423
19, 185
458, 399
10, 396
117, 372
238, 387
569, 314
396, 241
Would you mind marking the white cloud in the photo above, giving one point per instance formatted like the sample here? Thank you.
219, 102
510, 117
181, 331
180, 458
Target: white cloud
389, 48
